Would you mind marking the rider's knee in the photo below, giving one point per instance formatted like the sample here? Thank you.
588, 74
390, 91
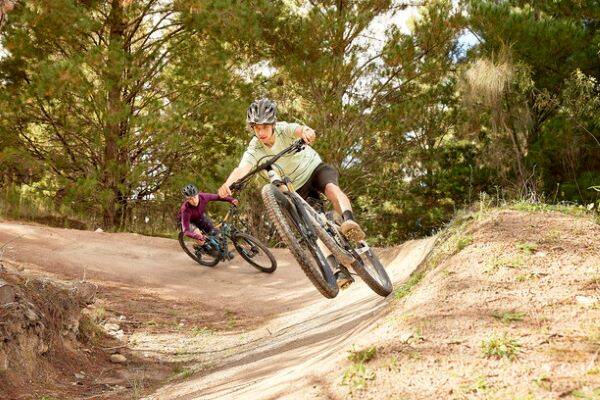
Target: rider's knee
332, 189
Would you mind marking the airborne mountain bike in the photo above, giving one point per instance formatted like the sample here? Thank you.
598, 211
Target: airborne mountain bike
216, 248
310, 234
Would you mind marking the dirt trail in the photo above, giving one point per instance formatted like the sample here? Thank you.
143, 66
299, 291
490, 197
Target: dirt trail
297, 333
286, 355
157, 266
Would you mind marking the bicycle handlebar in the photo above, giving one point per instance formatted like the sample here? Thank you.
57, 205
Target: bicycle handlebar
296, 147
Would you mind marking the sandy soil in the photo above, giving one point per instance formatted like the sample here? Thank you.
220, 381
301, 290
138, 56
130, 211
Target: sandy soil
510, 310
513, 314
157, 267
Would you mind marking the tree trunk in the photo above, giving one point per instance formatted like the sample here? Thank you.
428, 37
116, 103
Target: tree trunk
509, 126
115, 117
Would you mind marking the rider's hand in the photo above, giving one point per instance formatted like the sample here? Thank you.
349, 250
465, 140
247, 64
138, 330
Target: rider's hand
308, 134
235, 202
224, 191
201, 240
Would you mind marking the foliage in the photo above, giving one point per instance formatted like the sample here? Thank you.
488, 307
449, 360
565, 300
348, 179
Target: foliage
508, 316
105, 117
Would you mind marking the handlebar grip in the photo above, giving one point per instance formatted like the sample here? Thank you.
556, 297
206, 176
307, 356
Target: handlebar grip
236, 185
299, 145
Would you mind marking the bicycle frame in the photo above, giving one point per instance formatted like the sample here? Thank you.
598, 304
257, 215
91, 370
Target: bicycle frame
299, 209
297, 205
226, 230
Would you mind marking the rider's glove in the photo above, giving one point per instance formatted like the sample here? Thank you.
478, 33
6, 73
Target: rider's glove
198, 236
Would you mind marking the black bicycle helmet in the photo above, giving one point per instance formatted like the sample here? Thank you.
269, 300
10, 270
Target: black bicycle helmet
262, 111
189, 190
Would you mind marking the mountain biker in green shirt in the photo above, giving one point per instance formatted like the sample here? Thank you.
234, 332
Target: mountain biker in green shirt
306, 169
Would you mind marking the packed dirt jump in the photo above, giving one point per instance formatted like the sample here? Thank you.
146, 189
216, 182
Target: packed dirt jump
283, 334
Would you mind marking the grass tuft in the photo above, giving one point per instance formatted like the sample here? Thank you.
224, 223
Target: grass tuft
508, 316
89, 331
462, 242
494, 264
183, 373
528, 247
231, 318
407, 287
593, 395
567, 209
201, 331
501, 347
362, 356
357, 377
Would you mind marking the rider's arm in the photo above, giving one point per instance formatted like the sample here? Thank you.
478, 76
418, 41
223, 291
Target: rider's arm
236, 174
306, 133
216, 197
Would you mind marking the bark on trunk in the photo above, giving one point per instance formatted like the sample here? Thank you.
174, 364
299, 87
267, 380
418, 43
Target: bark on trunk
115, 118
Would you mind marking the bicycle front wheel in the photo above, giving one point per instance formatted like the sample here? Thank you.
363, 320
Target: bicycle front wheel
373, 273
196, 253
253, 251
305, 251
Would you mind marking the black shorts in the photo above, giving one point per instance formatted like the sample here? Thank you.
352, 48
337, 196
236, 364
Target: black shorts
321, 176
205, 225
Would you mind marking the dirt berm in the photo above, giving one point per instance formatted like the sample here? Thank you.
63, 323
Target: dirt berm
195, 319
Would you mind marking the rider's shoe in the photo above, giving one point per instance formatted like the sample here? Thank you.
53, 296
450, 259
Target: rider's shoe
343, 277
352, 230
230, 255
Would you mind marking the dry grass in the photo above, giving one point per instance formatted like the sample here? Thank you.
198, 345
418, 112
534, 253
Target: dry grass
485, 81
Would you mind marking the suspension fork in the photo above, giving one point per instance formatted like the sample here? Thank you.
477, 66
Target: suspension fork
299, 205
295, 205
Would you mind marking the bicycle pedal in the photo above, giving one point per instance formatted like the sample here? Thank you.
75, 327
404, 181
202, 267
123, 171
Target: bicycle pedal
345, 285
344, 279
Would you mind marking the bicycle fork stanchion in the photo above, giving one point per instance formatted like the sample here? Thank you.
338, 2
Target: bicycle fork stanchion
364, 247
323, 248
333, 263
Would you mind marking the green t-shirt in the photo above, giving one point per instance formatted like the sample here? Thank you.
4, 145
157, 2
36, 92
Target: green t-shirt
298, 166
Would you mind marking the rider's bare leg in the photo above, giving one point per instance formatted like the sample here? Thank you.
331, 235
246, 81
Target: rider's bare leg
338, 199
341, 204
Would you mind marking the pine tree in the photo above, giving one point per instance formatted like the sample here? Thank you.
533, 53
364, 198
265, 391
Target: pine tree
546, 44
91, 91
